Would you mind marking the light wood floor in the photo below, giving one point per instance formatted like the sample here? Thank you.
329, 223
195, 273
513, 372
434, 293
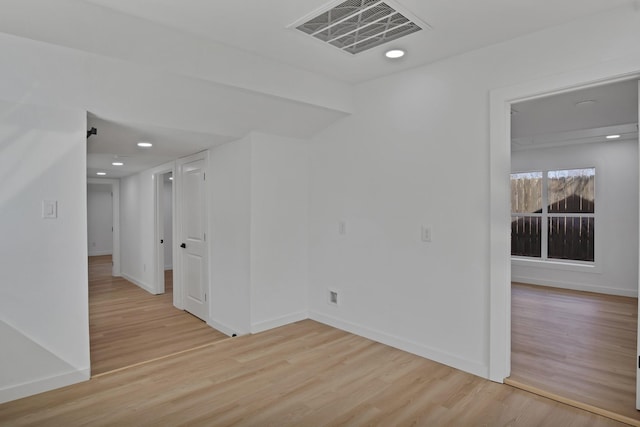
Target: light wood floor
303, 374
128, 325
578, 345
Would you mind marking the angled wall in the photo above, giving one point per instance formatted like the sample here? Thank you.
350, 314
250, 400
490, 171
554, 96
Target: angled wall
43, 291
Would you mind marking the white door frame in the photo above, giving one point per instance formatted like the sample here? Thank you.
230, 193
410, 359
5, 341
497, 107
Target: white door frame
158, 234
178, 286
115, 190
500, 168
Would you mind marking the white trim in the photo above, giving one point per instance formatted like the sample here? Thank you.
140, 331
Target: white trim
638, 324
500, 168
19, 391
552, 264
100, 253
278, 321
225, 329
140, 284
177, 231
403, 344
576, 286
115, 190
158, 230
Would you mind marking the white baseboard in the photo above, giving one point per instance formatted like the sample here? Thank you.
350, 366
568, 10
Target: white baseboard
100, 253
405, 345
279, 321
19, 391
225, 329
139, 283
29, 368
576, 286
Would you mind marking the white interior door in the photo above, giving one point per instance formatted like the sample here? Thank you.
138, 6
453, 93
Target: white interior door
193, 248
638, 340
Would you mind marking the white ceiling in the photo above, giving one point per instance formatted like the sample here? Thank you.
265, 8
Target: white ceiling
260, 27
580, 116
118, 141
237, 61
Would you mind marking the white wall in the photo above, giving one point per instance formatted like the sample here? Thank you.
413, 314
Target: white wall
229, 183
259, 202
121, 85
168, 224
133, 263
416, 152
258, 189
130, 92
43, 291
616, 224
279, 230
89, 27
99, 219
137, 225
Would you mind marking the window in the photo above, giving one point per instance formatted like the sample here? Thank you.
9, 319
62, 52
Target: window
553, 214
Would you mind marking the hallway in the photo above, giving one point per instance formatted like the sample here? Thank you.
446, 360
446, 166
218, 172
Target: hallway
128, 325
580, 346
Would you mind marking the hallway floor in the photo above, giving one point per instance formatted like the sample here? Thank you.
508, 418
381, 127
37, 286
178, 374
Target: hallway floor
576, 345
128, 325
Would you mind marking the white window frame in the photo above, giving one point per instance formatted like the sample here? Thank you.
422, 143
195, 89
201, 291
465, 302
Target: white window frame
544, 260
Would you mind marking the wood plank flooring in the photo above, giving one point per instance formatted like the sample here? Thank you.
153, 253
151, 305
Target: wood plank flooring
303, 374
574, 344
128, 325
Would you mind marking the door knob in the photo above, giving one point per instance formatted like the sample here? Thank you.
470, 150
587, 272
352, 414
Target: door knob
184, 245
161, 241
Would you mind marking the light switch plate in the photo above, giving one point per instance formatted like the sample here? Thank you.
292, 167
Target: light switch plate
342, 227
49, 209
426, 233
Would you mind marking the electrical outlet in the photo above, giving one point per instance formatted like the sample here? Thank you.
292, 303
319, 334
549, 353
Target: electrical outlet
333, 297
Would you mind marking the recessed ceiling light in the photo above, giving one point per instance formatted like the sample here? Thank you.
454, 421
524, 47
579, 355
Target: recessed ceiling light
101, 173
117, 164
145, 144
613, 136
394, 53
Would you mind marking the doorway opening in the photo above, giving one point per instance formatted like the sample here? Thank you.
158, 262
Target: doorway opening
164, 217
129, 324
99, 220
103, 220
500, 158
574, 245
133, 313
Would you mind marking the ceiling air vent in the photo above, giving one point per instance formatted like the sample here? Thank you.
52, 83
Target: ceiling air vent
357, 25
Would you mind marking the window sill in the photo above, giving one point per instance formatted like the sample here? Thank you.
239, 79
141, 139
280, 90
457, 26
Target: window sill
577, 266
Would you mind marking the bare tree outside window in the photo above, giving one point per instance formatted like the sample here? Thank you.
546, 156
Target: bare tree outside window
553, 214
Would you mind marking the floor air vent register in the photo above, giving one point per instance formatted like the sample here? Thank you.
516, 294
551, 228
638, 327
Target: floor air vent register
358, 25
